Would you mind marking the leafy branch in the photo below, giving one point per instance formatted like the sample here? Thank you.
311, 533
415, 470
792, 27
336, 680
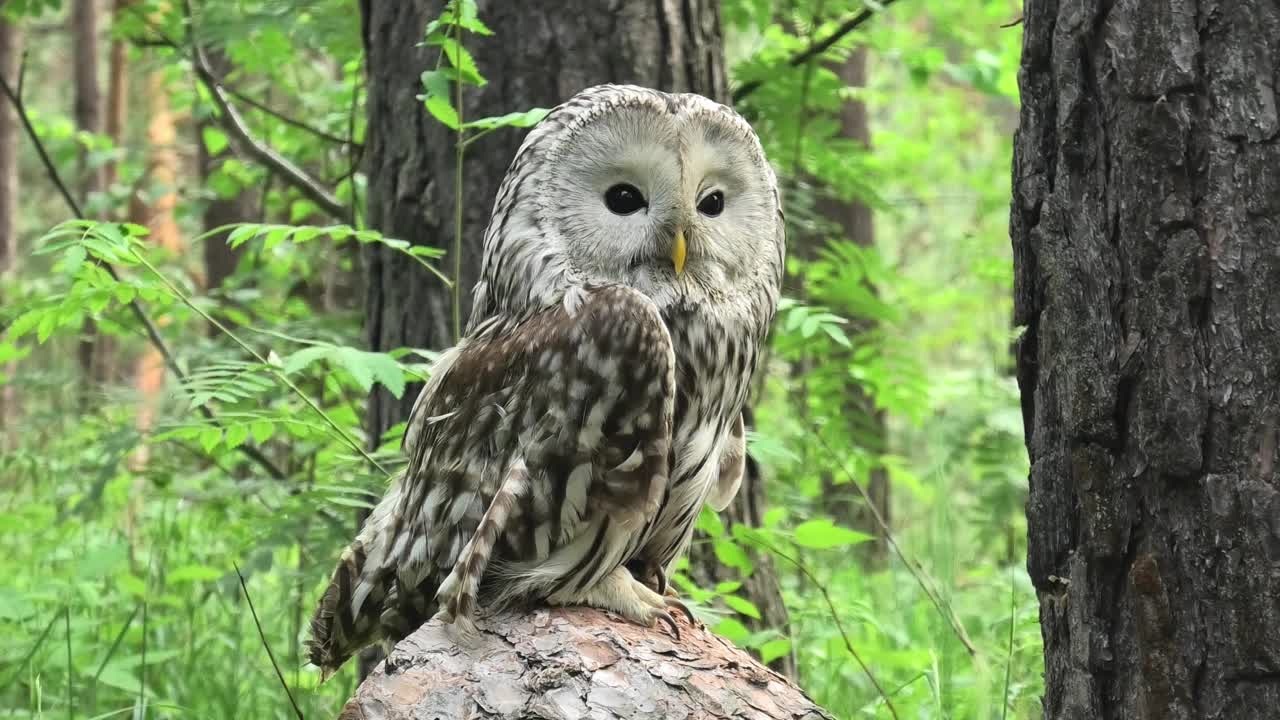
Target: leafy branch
817, 47
231, 120
140, 314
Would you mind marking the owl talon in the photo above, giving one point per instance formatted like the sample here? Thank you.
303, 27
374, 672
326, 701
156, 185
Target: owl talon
664, 617
676, 604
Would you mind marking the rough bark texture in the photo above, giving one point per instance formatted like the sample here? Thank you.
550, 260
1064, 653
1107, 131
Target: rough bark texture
541, 53
1145, 222
220, 259
570, 663
85, 20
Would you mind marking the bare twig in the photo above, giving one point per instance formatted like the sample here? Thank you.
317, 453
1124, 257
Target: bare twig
71, 697
818, 47
263, 636
17, 672
835, 616
148, 326
918, 573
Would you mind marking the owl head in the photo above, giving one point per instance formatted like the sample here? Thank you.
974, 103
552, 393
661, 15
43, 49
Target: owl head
669, 194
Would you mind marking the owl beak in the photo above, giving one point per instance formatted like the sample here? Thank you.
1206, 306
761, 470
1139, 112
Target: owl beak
678, 251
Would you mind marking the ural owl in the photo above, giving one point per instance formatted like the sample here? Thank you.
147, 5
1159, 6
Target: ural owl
562, 450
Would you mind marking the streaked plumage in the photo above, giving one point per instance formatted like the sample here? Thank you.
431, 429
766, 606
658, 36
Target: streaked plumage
561, 452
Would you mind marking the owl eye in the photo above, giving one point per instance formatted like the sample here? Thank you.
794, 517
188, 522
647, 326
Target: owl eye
623, 199
712, 205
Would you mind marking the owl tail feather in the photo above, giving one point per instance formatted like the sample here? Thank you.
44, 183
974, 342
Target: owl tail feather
335, 634
351, 611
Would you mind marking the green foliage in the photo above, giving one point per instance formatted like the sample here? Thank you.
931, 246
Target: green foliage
888, 359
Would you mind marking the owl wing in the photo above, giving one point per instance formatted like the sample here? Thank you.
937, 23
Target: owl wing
532, 437
733, 465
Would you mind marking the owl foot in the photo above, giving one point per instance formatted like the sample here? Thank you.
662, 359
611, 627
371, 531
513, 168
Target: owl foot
621, 593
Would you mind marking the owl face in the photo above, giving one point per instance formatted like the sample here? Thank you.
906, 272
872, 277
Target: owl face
668, 194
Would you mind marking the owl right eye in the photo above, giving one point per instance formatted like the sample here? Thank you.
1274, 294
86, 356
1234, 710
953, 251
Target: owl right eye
623, 199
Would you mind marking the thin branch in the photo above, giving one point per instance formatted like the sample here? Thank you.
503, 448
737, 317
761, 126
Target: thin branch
917, 572
263, 636
233, 123
818, 47
35, 647
835, 616
286, 119
280, 375
21, 109
148, 326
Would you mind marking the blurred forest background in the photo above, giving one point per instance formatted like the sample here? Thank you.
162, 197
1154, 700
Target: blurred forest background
213, 374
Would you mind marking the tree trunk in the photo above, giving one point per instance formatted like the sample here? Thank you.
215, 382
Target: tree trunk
220, 259
541, 53
156, 212
84, 19
1145, 222
567, 663
866, 422
10, 58
117, 93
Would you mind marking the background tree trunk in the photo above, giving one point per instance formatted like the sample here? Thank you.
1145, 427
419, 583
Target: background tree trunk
220, 259
10, 59
84, 21
541, 53
867, 423
1145, 222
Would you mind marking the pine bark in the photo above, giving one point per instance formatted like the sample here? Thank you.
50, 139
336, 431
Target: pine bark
1145, 222
570, 663
541, 53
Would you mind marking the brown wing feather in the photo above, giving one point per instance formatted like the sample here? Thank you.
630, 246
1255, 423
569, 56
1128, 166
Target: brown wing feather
580, 397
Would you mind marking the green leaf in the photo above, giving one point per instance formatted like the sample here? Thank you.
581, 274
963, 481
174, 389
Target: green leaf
733, 631
528, 118
215, 141
193, 573
774, 649
436, 83
742, 606
236, 435
731, 555
464, 65
710, 523
822, 534
261, 430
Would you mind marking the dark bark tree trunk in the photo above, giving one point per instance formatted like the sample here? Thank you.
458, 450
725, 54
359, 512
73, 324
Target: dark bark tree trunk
220, 259
541, 53
866, 422
10, 58
1145, 222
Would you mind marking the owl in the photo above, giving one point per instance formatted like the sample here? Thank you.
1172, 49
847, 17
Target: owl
562, 450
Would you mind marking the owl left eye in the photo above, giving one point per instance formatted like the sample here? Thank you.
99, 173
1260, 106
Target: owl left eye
712, 205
